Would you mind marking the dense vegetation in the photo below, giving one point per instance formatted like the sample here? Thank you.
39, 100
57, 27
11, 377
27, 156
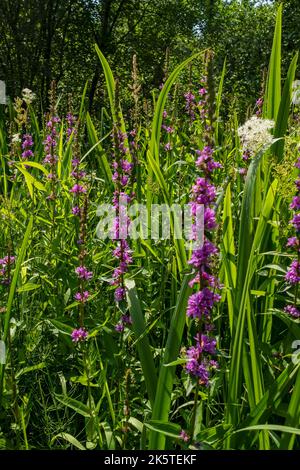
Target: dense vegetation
126, 342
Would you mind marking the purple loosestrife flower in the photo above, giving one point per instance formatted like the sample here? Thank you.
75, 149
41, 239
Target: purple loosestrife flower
119, 327
76, 210
71, 120
201, 303
7, 260
5, 264
246, 155
79, 174
292, 310
207, 344
184, 436
190, 104
75, 162
205, 160
79, 335
293, 242
203, 192
295, 204
120, 294
168, 147
296, 222
209, 219
201, 257
259, 105
83, 273
27, 145
125, 321
82, 297
78, 188
293, 274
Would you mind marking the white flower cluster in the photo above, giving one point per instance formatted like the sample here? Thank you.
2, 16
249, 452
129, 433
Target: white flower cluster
255, 133
28, 95
16, 138
296, 92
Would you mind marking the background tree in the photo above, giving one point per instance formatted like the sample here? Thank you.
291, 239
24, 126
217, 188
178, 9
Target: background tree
54, 39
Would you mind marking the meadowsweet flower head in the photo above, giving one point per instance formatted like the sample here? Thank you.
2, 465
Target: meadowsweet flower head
296, 92
255, 133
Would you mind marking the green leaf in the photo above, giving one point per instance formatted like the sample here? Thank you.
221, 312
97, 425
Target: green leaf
271, 427
164, 428
166, 377
62, 327
219, 101
20, 259
25, 370
273, 88
284, 110
160, 105
69, 438
228, 253
29, 286
110, 83
105, 168
143, 346
24, 163
75, 405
